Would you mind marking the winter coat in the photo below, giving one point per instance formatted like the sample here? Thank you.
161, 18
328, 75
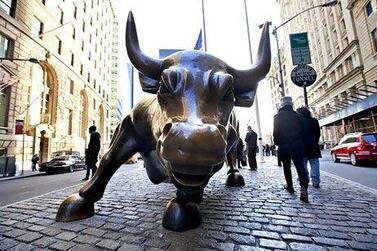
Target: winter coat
251, 139
288, 132
312, 134
240, 148
91, 153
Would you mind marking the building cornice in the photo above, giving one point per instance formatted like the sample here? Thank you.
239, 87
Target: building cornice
341, 54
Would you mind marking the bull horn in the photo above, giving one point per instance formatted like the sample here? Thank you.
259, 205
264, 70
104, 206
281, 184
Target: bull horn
246, 81
148, 66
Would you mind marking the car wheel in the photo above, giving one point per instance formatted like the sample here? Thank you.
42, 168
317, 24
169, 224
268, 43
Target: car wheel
354, 160
334, 158
71, 168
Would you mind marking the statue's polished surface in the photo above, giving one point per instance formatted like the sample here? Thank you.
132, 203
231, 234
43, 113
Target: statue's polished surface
184, 133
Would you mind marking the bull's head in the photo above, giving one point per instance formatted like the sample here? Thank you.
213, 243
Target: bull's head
196, 93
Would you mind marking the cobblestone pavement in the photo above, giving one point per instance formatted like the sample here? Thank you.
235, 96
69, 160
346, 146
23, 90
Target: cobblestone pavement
260, 216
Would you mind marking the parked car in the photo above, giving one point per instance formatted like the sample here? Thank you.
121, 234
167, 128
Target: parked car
63, 163
356, 147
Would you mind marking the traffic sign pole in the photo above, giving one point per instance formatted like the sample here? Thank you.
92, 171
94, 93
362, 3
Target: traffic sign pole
306, 97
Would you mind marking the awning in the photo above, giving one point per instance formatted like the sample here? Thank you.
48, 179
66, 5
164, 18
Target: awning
356, 107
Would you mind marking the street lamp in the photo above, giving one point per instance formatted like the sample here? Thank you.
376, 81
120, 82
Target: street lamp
274, 32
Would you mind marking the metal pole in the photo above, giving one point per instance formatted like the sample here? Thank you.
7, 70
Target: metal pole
260, 142
204, 27
306, 97
23, 150
282, 90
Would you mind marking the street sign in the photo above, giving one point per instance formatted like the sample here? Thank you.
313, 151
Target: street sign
300, 48
303, 75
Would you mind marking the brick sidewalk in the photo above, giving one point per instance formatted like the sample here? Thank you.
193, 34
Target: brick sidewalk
260, 216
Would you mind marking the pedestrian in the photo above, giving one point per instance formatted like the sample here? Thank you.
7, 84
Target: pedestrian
312, 150
91, 153
288, 135
251, 148
240, 153
268, 150
34, 161
273, 150
264, 150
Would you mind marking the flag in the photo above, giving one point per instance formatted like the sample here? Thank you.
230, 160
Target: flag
199, 42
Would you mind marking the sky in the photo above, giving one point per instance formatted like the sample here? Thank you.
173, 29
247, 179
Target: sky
175, 24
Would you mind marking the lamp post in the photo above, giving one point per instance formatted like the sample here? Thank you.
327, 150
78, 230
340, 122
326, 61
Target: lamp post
274, 32
34, 61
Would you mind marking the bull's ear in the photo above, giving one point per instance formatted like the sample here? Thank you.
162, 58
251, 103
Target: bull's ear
148, 84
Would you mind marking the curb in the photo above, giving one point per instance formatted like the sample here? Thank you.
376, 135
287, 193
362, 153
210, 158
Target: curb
20, 176
350, 182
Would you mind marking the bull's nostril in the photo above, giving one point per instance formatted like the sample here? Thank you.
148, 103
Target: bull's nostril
166, 129
222, 130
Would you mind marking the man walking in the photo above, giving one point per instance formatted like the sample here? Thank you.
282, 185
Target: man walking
34, 161
288, 135
91, 153
312, 150
251, 147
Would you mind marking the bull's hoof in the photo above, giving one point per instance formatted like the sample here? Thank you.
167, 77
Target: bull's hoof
235, 179
74, 208
181, 216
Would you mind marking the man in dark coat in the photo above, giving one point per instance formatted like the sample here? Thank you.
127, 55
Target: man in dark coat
288, 135
91, 153
240, 156
251, 148
312, 151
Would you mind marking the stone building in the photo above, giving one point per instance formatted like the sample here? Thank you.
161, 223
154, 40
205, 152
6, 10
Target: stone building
48, 102
343, 43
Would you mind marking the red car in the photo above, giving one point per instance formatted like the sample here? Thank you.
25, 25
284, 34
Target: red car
357, 147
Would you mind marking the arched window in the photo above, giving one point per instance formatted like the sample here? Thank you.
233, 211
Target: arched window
43, 94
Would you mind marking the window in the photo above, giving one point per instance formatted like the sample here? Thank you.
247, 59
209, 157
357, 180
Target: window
73, 33
369, 8
84, 7
37, 27
83, 26
44, 2
7, 6
59, 46
81, 69
72, 59
88, 77
5, 46
5, 51
374, 37
70, 121
61, 16
94, 105
75, 11
82, 45
71, 86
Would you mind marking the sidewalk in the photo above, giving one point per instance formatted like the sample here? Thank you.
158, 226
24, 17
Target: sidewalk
27, 173
259, 216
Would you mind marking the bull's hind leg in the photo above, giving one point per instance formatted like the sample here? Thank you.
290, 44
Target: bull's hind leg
81, 205
234, 179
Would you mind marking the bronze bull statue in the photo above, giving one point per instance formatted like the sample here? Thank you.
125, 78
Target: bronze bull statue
184, 133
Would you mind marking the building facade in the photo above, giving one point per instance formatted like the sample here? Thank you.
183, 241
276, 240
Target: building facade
55, 75
116, 114
343, 43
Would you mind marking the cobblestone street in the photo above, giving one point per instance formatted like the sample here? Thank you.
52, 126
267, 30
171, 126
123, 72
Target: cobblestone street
260, 216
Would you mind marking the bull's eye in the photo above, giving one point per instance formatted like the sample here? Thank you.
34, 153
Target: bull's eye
228, 96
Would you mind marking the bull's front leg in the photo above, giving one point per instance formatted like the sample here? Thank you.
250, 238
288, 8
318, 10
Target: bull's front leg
182, 213
124, 144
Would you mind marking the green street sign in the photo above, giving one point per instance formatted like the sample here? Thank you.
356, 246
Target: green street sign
300, 48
